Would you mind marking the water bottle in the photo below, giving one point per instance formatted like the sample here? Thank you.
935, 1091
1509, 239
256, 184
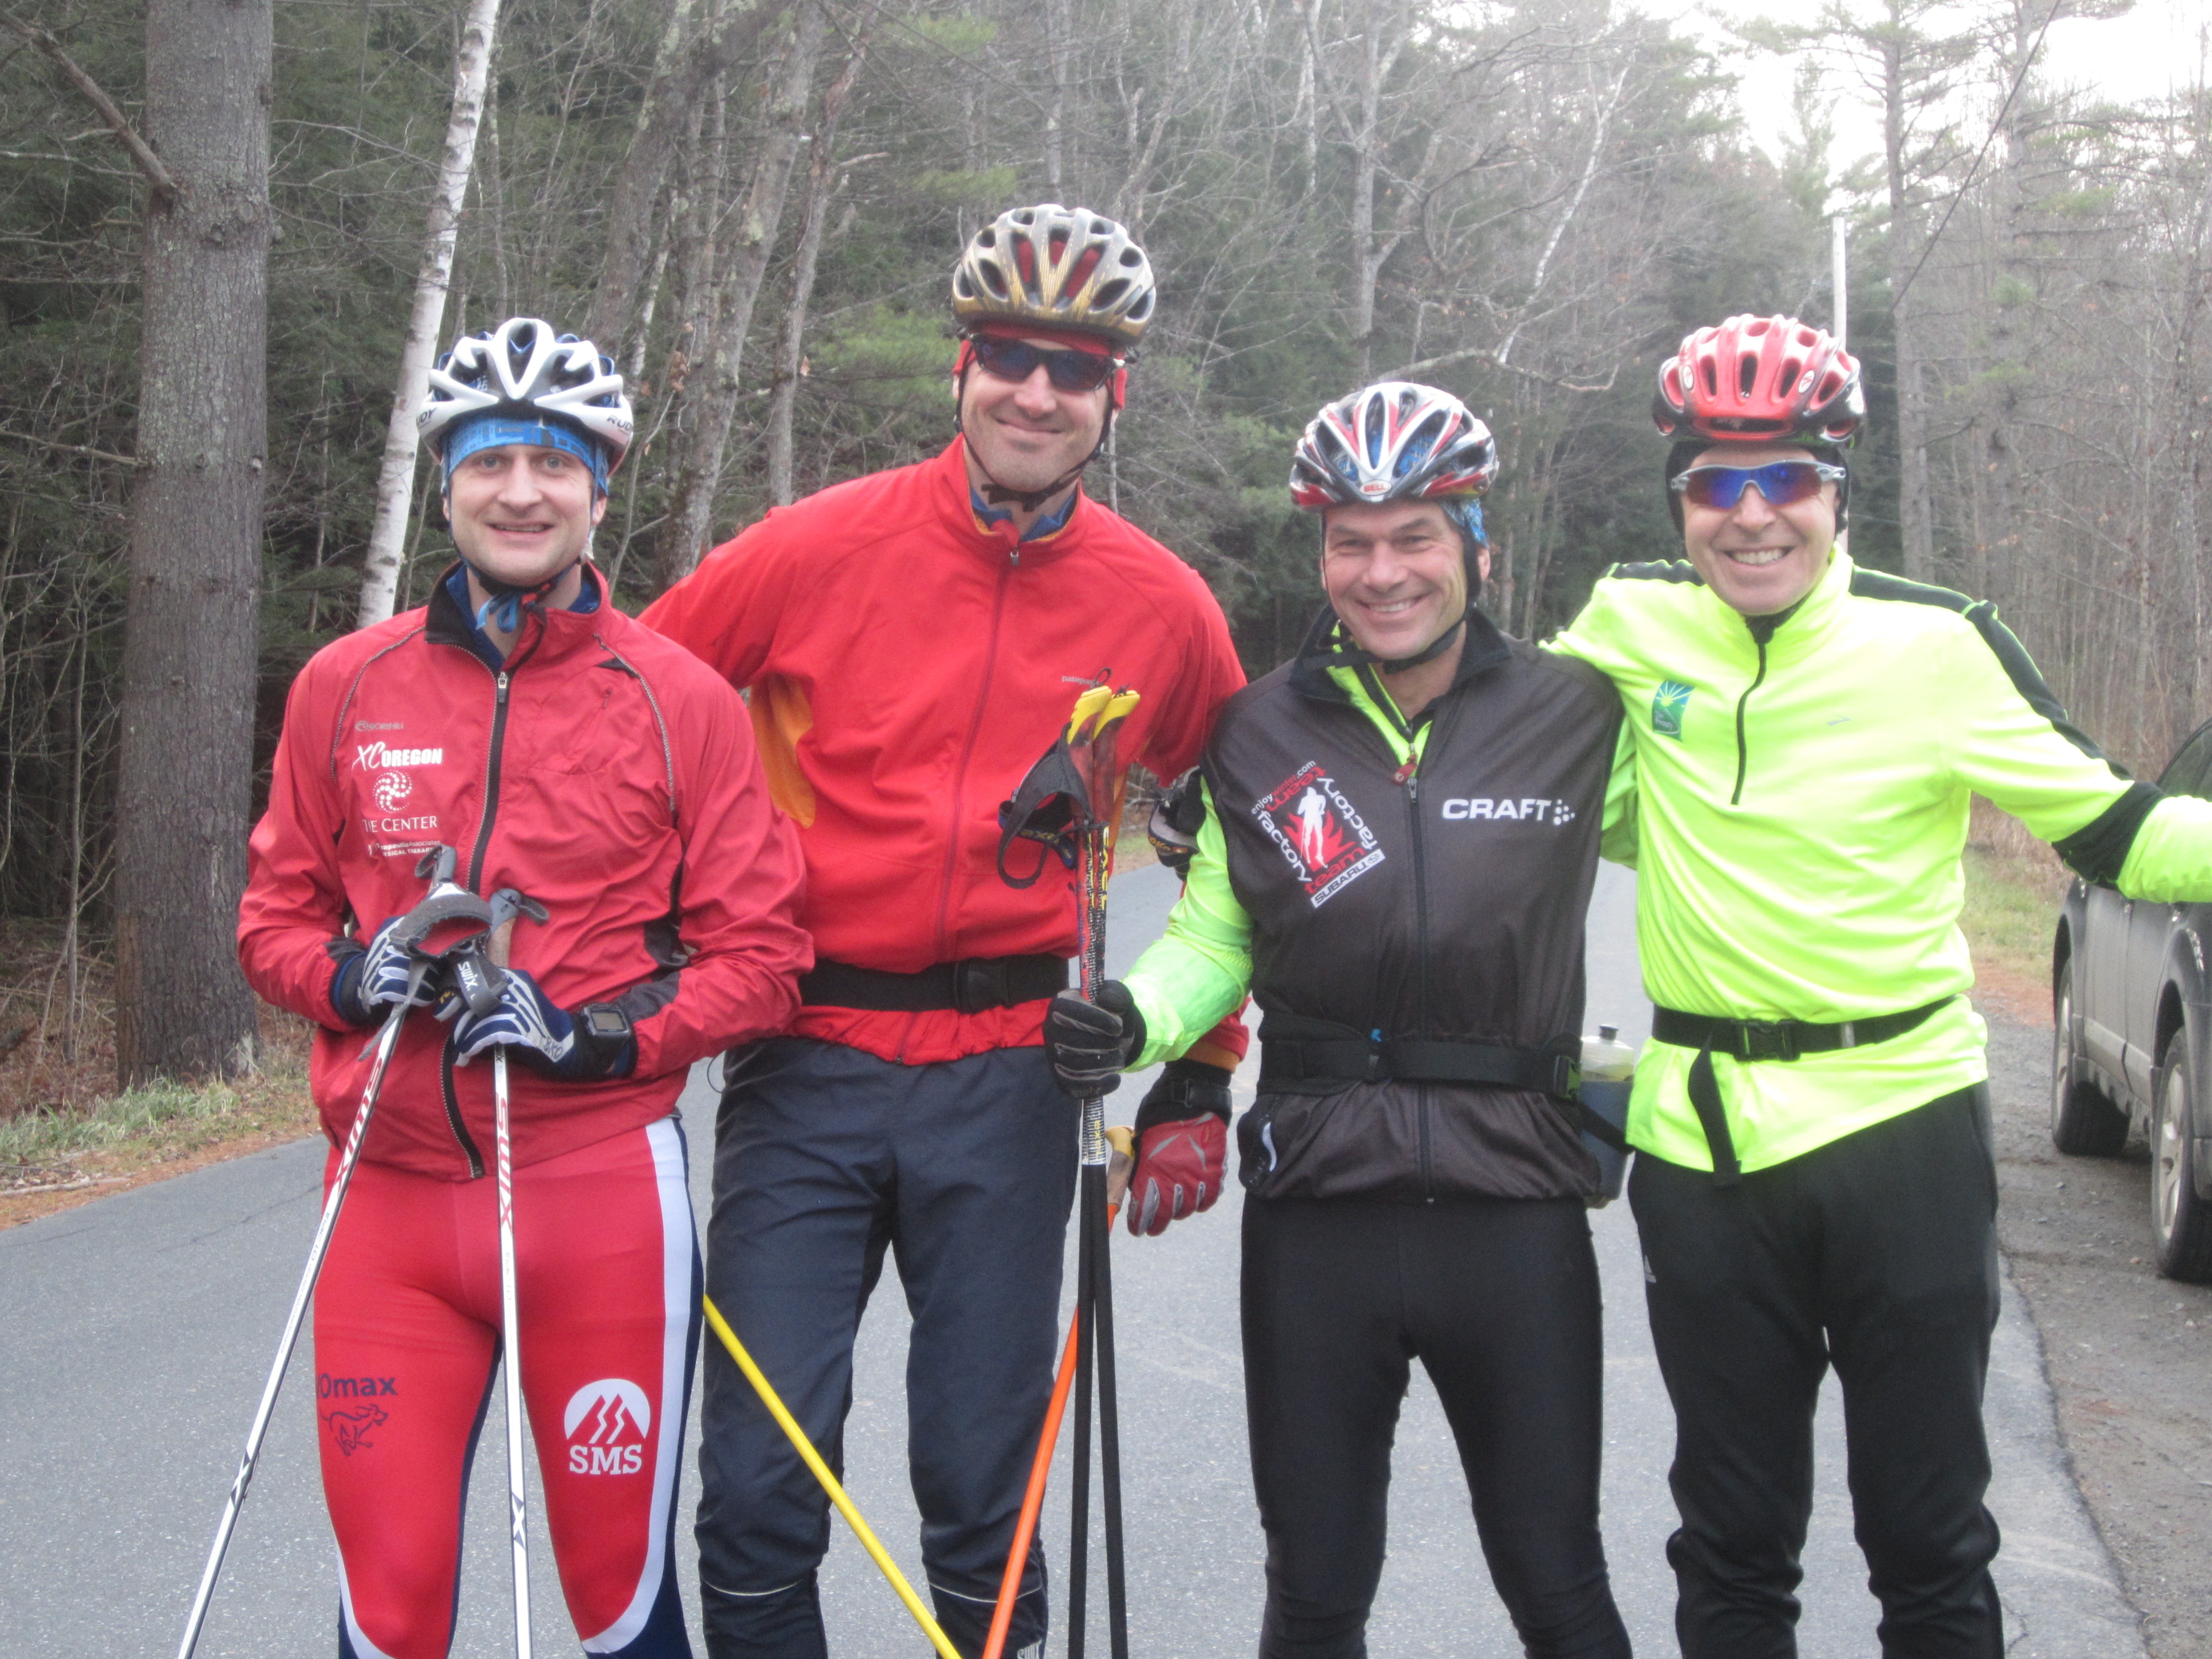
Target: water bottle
1609, 1071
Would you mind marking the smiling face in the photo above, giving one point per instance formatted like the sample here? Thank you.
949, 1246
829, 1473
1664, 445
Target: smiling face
522, 513
1759, 558
1027, 435
1395, 573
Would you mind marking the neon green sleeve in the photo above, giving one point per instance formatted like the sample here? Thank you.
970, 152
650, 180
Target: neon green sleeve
2170, 861
1619, 841
1201, 967
2005, 737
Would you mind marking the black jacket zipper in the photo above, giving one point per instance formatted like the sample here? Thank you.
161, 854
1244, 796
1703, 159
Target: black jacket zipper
475, 880
1410, 771
1762, 630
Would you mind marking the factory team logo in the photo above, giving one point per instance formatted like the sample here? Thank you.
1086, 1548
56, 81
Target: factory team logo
1318, 832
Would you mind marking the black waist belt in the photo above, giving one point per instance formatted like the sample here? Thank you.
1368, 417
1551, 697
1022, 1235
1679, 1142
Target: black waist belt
971, 986
1757, 1039
1336, 1054
1550, 1070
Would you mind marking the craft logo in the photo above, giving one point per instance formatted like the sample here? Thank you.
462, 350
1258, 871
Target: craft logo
392, 788
613, 1417
1668, 704
351, 1429
377, 756
1318, 832
1461, 809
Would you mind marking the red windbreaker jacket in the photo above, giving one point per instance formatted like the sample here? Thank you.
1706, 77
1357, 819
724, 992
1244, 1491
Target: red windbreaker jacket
907, 665
607, 774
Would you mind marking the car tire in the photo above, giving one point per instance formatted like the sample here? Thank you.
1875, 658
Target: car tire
2180, 1222
2083, 1123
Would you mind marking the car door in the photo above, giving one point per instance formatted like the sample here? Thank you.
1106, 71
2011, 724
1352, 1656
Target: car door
2150, 927
2101, 980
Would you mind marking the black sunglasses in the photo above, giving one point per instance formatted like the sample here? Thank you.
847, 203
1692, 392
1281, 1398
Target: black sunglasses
1016, 360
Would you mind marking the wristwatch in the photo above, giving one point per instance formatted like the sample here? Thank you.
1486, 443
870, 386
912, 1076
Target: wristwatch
604, 1022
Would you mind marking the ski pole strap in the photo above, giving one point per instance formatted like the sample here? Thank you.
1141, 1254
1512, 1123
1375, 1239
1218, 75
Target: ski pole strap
970, 987
1296, 1054
1754, 1040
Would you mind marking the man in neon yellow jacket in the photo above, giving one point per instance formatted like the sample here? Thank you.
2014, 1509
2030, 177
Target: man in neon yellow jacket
1815, 1184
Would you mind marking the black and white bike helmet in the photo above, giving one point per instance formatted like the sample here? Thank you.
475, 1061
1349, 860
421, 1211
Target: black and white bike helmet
522, 370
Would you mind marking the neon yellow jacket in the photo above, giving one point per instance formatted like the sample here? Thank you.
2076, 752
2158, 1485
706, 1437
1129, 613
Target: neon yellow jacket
1799, 809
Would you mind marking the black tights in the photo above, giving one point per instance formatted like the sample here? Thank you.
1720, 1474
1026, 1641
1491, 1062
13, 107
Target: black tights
1498, 1299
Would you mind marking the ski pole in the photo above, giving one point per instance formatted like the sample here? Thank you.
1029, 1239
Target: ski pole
445, 902
1095, 1284
797, 1435
507, 906
1010, 1585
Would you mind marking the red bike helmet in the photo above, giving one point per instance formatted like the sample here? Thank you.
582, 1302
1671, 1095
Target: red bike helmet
1761, 380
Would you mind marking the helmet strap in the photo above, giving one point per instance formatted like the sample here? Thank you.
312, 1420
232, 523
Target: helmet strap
507, 604
1340, 657
997, 494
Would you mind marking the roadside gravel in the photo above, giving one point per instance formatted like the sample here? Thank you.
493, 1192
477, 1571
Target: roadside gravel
2130, 1354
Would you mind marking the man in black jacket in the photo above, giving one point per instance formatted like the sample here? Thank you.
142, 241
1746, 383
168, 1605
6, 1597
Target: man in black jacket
1402, 835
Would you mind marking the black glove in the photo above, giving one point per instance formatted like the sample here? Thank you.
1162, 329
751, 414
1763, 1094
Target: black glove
1176, 821
1089, 1042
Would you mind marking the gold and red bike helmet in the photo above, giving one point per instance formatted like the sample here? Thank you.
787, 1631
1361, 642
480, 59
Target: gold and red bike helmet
1054, 267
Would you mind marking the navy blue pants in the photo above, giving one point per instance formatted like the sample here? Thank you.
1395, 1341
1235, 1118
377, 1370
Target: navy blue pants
825, 1156
1875, 1254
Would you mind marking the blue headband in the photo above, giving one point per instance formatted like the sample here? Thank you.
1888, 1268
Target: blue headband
1465, 511
491, 431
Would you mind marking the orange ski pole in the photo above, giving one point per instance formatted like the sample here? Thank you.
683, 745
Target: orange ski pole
1010, 1586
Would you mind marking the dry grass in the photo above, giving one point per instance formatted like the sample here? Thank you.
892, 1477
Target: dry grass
67, 1134
2013, 886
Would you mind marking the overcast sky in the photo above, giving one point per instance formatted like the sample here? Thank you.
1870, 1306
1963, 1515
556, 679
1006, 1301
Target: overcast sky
2157, 46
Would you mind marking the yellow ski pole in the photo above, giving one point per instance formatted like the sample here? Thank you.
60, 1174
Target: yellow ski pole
789, 1425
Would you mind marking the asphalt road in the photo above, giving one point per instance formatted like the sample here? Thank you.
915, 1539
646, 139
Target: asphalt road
138, 1329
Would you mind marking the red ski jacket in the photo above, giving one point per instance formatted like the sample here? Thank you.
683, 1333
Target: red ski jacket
908, 664
606, 774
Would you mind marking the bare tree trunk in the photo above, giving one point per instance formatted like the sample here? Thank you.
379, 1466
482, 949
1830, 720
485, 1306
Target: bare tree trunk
681, 76
712, 405
191, 635
823, 179
395, 480
1916, 508
1056, 32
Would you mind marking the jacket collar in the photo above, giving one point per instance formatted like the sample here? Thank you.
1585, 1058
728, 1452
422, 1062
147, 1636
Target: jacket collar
1312, 677
547, 638
1790, 634
998, 544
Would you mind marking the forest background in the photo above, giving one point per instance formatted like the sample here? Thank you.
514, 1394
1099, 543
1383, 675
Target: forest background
755, 207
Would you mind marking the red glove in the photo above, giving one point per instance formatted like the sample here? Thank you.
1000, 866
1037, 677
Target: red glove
1182, 1147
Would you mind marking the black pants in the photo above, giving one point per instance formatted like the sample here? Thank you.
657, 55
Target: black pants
1877, 1254
823, 1156
1499, 1301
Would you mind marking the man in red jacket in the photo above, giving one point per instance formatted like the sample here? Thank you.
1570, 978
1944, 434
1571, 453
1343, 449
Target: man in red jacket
566, 752
912, 641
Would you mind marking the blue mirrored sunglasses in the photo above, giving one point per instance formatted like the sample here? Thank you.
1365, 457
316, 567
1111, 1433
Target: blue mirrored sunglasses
1780, 482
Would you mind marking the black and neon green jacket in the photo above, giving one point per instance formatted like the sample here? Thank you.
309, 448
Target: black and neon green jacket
1371, 879
1799, 805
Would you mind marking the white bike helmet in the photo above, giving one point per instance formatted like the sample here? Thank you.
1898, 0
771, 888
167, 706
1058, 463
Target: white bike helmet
523, 371
1056, 267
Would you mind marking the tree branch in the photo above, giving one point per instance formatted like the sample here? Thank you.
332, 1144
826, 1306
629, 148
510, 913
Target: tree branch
71, 449
1490, 357
148, 163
